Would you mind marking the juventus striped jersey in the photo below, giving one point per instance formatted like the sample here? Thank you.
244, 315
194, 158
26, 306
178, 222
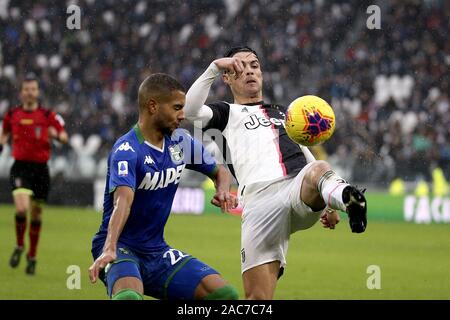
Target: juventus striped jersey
259, 147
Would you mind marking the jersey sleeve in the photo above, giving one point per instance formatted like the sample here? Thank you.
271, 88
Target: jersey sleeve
56, 121
122, 166
221, 113
6, 125
198, 158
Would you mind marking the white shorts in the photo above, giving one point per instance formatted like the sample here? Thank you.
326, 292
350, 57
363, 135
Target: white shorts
272, 212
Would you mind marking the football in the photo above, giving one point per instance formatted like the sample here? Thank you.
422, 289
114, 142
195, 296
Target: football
310, 121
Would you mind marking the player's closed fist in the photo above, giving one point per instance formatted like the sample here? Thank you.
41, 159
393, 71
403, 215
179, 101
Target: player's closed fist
233, 66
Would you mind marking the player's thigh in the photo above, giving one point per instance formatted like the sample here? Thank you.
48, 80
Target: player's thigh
302, 215
124, 271
265, 227
181, 274
309, 192
20, 186
22, 201
260, 281
40, 183
36, 209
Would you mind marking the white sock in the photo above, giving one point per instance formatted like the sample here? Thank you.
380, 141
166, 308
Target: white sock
330, 187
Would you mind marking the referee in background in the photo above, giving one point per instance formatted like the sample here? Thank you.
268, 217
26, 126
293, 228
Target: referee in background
31, 128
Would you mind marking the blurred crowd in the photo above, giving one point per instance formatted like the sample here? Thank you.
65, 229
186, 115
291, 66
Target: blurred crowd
389, 87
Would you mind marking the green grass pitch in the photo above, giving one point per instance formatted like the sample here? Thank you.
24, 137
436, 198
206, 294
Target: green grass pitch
322, 264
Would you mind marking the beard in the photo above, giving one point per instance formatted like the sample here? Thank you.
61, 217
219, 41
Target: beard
167, 131
30, 100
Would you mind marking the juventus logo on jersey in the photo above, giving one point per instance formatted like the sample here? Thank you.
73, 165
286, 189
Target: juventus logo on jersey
254, 122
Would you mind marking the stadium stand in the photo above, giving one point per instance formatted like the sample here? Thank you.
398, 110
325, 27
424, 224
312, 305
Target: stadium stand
389, 87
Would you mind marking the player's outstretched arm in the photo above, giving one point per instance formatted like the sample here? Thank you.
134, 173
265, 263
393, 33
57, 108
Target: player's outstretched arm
3, 139
123, 199
4, 133
223, 198
56, 128
195, 109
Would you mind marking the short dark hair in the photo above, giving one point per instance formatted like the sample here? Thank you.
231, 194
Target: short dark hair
157, 85
29, 77
230, 53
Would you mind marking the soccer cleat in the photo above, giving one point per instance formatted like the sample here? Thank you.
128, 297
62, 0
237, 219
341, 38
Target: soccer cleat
356, 205
15, 257
31, 266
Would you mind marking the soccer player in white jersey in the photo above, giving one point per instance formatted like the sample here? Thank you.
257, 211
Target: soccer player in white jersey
282, 187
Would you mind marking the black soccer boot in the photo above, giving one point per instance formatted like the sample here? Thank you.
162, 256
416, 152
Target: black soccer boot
356, 205
31, 266
15, 257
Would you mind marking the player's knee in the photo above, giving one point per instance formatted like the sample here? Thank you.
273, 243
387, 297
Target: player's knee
36, 212
227, 292
319, 167
256, 296
36, 215
316, 171
127, 294
21, 208
21, 214
36, 208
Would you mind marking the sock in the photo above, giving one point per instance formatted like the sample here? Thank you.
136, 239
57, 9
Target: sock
330, 187
21, 226
127, 294
35, 229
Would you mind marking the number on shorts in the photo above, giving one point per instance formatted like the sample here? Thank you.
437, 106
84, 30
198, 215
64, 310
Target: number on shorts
173, 256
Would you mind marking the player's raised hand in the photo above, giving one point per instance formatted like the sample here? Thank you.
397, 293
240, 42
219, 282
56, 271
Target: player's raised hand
100, 263
233, 66
329, 218
225, 200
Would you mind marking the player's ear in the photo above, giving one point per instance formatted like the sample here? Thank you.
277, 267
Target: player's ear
152, 106
226, 78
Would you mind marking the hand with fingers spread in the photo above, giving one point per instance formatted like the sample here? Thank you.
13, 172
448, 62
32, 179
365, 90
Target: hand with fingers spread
225, 200
233, 66
329, 218
100, 263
